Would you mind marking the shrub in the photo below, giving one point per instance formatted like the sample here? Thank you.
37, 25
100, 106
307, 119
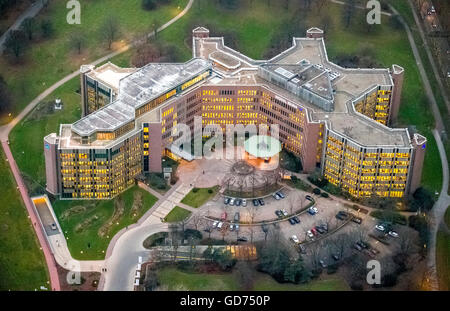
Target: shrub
316, 191
324, 195
195, 190
210, 191
148, 5
294, 178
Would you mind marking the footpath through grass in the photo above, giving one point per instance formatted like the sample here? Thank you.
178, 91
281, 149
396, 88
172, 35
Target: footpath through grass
199, 196
89, 226
22, 263
174, 279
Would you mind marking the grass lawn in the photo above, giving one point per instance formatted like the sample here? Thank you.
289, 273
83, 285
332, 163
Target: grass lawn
22, 263
47, 61
174, 279
199, 196
177, 214
443, 259
98, 213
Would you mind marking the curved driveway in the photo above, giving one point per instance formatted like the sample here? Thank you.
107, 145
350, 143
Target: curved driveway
6, 129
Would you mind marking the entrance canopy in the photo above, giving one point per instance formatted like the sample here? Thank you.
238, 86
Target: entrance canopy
262, 146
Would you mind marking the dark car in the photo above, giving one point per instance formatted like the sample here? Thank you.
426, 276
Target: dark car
261, 202
207, 230
335, 257
242, 239
309, 198
357, 220
255, 202
292, 221
357, 247
296, 219
324, 227
363, 244
226, 201
320, 230
238, 202
342, 215
264, 227
279, 213
302, 249
280, 194
236, 217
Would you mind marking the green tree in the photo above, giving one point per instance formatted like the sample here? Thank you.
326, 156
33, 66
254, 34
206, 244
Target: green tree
296, 272
16, 42
28, 26
46, 28
148, 5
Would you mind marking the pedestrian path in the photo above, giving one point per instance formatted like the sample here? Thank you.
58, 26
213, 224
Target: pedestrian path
173, 200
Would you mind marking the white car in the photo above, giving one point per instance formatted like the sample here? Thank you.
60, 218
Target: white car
393, 234
295, 239
379, 228
231, 201
219, 225
285, 213
244, 202
215, 223
309, 234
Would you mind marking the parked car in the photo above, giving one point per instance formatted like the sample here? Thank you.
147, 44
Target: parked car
53, 226
292, 221
393, 234
226, 200
255, 202
231, 201
279, 213
207, 229
295, 239
280, 194
236, 217
236, 227
335, 257
264, 227
224, 216
342, 215
296, 219
313, 210
322, 263
302, 249
374, 251
380, 228
309, 198
261, 201
320, 230
219, 225
238, 202
215, 223
285, 213
357, 247
244, 202
242, 239
324, 227
364, 244
231, 227
309, 234
314, 231
276, 196
357, 220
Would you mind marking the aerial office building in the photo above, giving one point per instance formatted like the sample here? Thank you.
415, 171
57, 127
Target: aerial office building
335, 119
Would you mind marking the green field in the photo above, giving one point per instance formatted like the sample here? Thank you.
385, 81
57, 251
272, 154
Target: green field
447, 217
174, 279
199, 196
22, 264
177, 214
87, 244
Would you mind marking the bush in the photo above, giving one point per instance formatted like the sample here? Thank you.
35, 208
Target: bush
294, 178
148, 5
46, 28
316, 191
188, 233
195, 190
210, 191
324, 195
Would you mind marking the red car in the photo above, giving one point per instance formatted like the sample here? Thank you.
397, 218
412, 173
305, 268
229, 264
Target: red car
223, 216
314, 231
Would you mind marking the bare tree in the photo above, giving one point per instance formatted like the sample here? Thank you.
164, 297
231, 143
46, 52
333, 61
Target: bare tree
110, 29
196, 219
77, 41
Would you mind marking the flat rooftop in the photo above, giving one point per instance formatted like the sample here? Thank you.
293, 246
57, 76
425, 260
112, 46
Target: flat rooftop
110, 74
137, 89
308, 57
